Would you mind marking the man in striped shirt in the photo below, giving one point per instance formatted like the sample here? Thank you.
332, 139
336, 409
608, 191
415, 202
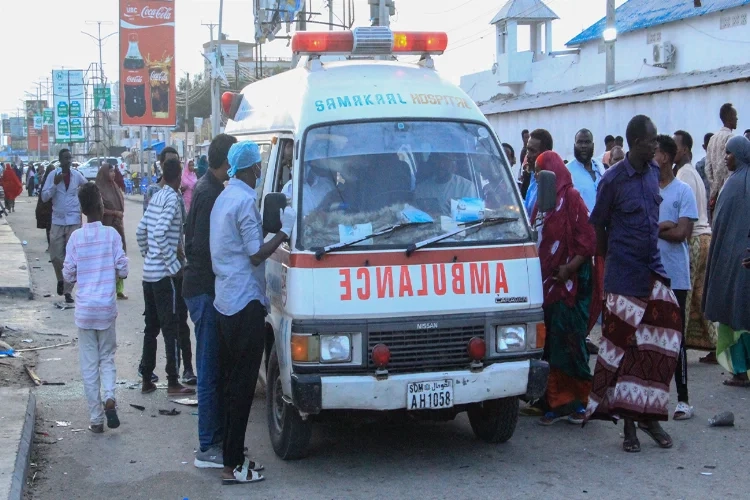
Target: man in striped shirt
159, 237
94, 258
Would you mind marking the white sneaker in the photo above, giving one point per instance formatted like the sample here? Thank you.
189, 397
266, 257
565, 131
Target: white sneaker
683, 411
212, 458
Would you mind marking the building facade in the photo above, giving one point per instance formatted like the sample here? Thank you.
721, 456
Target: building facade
675, 62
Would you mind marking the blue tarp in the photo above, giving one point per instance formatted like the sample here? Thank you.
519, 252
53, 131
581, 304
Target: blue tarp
641, 14
155, 145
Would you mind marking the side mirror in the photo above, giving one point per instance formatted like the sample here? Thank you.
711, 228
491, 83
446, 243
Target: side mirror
274, 203
546, 191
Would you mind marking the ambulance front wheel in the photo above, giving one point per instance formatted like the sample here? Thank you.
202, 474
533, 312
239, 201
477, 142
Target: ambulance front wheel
494, 421
289, 434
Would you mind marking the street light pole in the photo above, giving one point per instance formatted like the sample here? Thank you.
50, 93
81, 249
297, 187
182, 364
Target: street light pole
610, 37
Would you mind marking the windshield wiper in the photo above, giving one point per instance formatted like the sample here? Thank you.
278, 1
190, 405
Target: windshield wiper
320, 252
490, 221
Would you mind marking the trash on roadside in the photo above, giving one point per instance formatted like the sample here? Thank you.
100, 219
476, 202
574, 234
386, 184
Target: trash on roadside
52, 359
24, 242
62, 423
707, 473
63, 306
138, 407
42, 433
8, 353
27, 341
76, 430
32, 375
44, 382
709, 466
186, 401
132, 461
725, 419
170, 413
46, 295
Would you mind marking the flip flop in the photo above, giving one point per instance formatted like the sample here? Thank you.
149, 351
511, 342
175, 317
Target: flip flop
186, 391
656, 435
736, 383
241, 475
631, 445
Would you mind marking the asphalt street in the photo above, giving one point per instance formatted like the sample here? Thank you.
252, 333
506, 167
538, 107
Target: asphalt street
151, 456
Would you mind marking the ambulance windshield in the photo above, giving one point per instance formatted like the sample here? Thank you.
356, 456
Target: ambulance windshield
359, 178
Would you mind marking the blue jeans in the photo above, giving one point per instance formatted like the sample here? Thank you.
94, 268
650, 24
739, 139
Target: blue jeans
210, 401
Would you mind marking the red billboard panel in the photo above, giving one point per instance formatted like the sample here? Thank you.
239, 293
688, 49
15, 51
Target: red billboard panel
147, 72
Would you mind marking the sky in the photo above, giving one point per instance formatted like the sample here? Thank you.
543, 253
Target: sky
48, 34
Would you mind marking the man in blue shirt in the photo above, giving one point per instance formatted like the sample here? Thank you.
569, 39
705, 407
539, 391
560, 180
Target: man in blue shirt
238, 255
585, 170
677, 212
641, 330
539, 141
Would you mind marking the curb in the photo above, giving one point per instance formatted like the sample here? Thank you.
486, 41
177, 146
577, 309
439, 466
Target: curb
23, 457
21, 287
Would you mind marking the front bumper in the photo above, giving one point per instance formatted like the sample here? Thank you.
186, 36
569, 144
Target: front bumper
314, 393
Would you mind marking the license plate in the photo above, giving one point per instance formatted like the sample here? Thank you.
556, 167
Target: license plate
429, 395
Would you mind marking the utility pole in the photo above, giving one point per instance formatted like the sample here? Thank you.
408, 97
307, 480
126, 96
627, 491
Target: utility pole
99, 40
216, 87
610, 39
330, 15
187, 112
384, 19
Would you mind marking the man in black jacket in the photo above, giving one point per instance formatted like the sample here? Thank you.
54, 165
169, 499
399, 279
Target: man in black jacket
198, 292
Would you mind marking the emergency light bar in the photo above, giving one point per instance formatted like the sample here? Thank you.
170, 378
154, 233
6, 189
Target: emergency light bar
375, 40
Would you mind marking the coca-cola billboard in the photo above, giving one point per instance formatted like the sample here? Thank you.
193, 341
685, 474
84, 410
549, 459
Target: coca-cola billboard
147, 70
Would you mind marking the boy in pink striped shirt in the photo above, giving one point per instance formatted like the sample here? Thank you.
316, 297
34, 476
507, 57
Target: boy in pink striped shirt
94, 259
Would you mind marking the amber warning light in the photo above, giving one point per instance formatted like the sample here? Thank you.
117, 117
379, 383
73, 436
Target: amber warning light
369, 41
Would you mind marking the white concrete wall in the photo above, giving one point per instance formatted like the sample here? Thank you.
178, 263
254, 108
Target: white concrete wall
701, 45
693, 110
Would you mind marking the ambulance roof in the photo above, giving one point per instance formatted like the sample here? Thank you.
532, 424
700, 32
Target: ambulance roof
349, 90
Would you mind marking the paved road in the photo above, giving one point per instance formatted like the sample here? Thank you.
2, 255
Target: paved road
151, 457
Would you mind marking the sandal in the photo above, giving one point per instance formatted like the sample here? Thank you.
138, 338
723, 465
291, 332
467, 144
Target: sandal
709, 359
550, 418
180, 389
241, 474
683, 411
658, 434
148, 387
737, 382
578, 417
631, 444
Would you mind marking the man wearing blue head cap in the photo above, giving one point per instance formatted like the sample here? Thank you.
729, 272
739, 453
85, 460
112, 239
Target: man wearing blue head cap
239, 254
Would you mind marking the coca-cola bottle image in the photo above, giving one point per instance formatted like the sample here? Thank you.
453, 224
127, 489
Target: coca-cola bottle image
135, 79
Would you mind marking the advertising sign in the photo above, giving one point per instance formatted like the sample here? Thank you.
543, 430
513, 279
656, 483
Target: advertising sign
18, 127
102, 97
147, 71
48, 117
69, 108
38, 122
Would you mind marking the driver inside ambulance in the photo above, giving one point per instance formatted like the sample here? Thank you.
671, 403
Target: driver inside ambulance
444, 185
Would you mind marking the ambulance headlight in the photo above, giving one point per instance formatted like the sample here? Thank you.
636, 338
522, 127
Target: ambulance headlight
510, 338
335, 348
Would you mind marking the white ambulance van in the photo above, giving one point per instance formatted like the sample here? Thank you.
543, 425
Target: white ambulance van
411, 282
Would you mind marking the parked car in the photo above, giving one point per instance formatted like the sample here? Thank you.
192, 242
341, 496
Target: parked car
91, 167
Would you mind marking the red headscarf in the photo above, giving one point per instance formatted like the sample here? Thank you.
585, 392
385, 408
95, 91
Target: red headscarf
11, 183
566, 233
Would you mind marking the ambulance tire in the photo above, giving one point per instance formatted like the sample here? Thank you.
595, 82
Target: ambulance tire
289, 434
494, 421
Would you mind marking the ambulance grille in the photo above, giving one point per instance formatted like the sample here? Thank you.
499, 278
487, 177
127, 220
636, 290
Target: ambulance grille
425, 350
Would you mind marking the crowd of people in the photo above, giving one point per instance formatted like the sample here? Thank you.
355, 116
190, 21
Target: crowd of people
657, 246
644, 242
197, 237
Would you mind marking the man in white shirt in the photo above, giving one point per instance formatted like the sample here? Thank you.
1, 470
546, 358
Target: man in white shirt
699, 332
585, 170
716, 168
239, 253
62, 189
444, 185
